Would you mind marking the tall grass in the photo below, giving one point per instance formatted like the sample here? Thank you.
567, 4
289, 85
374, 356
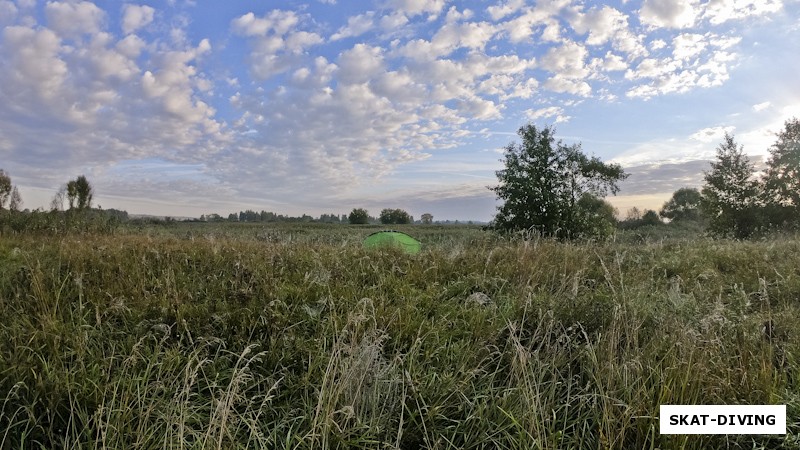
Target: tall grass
254, 337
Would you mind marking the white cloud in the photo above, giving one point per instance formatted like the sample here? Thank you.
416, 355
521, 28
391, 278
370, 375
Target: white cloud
563, 85
356, 26
669, 13
135, 17
277, 45
277, 21
87, 101
721, 11
550, 112
501, 10
711, 134
415, 7
8, 12
612, 63
449, 38
761, 106
71, 20
601, 24
360, 63
393, 21
688, 45
567, 60
696, 61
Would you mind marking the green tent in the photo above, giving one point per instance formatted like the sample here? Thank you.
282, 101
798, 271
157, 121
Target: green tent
393, 238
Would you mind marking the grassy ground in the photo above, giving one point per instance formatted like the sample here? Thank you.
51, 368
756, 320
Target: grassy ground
252, 336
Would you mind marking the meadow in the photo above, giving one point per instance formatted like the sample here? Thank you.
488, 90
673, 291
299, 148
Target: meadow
206, 336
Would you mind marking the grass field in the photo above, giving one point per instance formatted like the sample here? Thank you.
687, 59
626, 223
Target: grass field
257, 336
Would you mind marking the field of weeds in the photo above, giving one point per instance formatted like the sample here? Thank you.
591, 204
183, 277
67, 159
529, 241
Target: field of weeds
198, 336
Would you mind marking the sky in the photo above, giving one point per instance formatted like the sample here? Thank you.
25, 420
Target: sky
185, 108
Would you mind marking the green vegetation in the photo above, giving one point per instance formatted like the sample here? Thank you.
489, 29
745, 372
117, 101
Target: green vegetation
395, 217
238, 335
358, 216
553, 189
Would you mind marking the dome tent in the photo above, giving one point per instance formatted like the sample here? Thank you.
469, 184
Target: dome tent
393, 238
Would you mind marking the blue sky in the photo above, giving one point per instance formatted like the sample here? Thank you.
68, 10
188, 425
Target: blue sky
188, 107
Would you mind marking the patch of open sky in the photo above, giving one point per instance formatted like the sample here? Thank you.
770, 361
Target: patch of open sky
157, 168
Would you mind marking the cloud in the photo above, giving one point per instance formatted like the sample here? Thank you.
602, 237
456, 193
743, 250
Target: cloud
448, 38
277, 44
601, 24
663, 177
276, 21
356, 26
711, 134
550, 112
72, 20
669, 13
721, 11
8, 12
415, 7
501, 10
135, 17
761, 106
696, 61
89, 103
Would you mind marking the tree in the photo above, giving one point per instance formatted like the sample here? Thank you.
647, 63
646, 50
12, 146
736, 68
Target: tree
633, 214
5, 188
543, 182
395, 216
650, 217
79, 193
782, 178
57, 203
684, 205
730, 193
427, 218
358, 216
15, 203
600, 216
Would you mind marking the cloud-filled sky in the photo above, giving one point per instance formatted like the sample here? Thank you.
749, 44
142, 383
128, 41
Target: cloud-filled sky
185, 107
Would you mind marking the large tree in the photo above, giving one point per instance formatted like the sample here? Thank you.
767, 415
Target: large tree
730, 193
5, 188
782, 178
358, 216
395, 216
684, 205
544, 181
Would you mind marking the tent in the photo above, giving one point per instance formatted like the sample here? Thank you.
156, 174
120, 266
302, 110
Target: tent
393, 238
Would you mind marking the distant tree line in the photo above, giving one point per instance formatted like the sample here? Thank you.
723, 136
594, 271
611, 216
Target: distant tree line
268, 216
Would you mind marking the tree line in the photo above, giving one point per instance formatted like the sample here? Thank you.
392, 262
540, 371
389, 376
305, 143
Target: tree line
78, 193
358, 216
557, 191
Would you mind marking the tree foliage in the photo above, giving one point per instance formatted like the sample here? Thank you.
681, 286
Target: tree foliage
427, 218
730, 192
358, 216
79, 193
15, 202
394, 216
782, 178
685, 204
5, 188
543, 183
